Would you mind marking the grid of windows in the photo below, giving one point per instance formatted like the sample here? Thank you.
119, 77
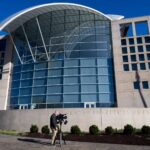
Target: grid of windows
135, 51
80, 68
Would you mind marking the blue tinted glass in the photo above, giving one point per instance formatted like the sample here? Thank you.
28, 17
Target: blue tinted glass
133, 57
54, 89
134, 67
140, 48
132, 49
141, 57
126, 67
41, 73
126, 30
88, 97
39, 90
54, 98
71, 89
25, 83
125, 58
27, 75
71, 98
25, 91
15, 84
142, 66
14, 100
148, 56
141, 28
41, 66
25, 100
124, 50
145, 84
136, 85
40, 81
27, 67
148, 48
38, 99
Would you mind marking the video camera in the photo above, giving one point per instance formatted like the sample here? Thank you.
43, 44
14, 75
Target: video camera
61, 118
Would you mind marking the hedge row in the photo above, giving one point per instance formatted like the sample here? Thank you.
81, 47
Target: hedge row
94, 130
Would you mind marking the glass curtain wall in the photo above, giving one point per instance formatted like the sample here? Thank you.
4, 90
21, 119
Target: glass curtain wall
67, 61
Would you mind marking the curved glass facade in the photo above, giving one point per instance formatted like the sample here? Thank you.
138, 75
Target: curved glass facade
66, 60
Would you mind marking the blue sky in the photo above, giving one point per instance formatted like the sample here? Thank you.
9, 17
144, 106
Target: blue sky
127, 8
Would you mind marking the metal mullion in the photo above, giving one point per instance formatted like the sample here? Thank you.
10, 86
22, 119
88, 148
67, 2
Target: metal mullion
15, 48
42, 37
28, 42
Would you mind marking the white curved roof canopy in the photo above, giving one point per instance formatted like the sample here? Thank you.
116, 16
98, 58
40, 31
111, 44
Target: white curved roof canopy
14, 21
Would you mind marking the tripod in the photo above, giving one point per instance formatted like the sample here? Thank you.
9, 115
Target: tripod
61, 136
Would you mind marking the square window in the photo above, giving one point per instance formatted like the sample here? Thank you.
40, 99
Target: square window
140, 48
147, 39
141, 57
131, 41
123, 42
141, 28
136, 85
132, 49
134, 67
145, 85
125, 58
124, 50
133, 57
142, 66
139, 40
149, 65
126, 30
148, 48
126, 67
148, 56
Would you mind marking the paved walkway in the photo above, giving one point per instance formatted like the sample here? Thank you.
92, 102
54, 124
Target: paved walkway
22, 143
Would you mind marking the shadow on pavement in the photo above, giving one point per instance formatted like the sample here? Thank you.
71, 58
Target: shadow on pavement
33, 141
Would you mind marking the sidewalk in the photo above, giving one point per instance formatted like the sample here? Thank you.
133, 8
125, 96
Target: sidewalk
23, 143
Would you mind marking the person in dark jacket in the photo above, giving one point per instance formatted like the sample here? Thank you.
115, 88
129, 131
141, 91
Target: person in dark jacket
53, 126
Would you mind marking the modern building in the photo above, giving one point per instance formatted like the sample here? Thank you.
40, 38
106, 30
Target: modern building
64, 55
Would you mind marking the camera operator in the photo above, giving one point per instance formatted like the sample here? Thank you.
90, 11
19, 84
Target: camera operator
53, 126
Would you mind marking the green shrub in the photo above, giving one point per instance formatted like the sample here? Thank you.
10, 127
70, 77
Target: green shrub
45, 129
145, 129
109, 130
75, 130
128, 130
34, 129
94, 130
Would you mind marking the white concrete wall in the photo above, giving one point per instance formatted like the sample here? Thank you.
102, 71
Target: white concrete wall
21, 120
4, 82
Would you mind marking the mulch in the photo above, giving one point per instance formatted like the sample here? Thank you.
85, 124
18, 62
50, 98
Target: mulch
102, 138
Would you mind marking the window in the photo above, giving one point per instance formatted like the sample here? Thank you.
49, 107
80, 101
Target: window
141, 57
124, 50
142, 66
147, 39
132, 49
126, 67
131, 41
141, 28
123, 42
140, 48
136, 85
145, 85
133, 57
148, 56
134, 67
149, 65
148, 48
139, 40
125, 58
126, 30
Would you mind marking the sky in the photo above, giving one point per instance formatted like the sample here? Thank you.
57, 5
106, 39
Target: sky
127, 8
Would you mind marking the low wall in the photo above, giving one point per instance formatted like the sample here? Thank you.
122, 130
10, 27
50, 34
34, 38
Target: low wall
21, 120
